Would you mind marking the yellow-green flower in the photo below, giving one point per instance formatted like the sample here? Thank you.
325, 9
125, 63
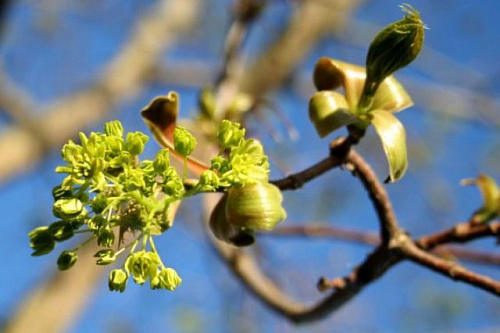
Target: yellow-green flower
142, 265
117, 280
167, 278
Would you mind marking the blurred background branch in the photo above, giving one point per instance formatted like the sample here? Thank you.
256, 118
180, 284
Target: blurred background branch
124, 77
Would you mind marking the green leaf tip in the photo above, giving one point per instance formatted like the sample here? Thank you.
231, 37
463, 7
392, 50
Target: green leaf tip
396, 46
393, 137
490, 192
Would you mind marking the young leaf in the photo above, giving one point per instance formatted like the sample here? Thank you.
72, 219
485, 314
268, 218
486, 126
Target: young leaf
393, 137
161, 117
328, 111
330, 74
491, 197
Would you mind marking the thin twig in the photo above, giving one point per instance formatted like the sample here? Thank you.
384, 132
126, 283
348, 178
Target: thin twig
371, 238
389, 227
339, 149
449, 268
461, 233
317, 231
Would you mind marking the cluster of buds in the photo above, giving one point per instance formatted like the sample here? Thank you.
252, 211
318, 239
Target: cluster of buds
109, 194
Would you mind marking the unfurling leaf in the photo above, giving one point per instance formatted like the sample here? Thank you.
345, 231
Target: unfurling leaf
393, 137
490, 191
393, 48
330, 74
328, 111
255, 206
161, 117
226, 232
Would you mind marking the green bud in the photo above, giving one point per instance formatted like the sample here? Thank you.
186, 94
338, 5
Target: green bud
117, 280
133, 178
96, 222
60, 192
230, 134
256, 206
248, 163
115, 145
136, 142
67, 208
66, 260
173, 186
41, 241
105, 257
99, 203
220, 164
71, 152
113, 128
105, 237
393, 48
209, 181
162, 161
184, 142
61, 230
142, 265
167, 279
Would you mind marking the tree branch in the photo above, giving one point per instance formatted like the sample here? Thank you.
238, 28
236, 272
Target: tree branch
448, 268
339, 149
389, 227
461, 233
371, 238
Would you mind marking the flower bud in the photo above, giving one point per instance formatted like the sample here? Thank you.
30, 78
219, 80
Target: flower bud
113, 128
41, 241
209, 181
66, 260
184, 142
230, 134
142, 265
105, 257
393, 48
60, 192
105, 237
255, 206
99, 203
117, 280
67, 208
161, 162
136, 142
61, 230
167, 279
